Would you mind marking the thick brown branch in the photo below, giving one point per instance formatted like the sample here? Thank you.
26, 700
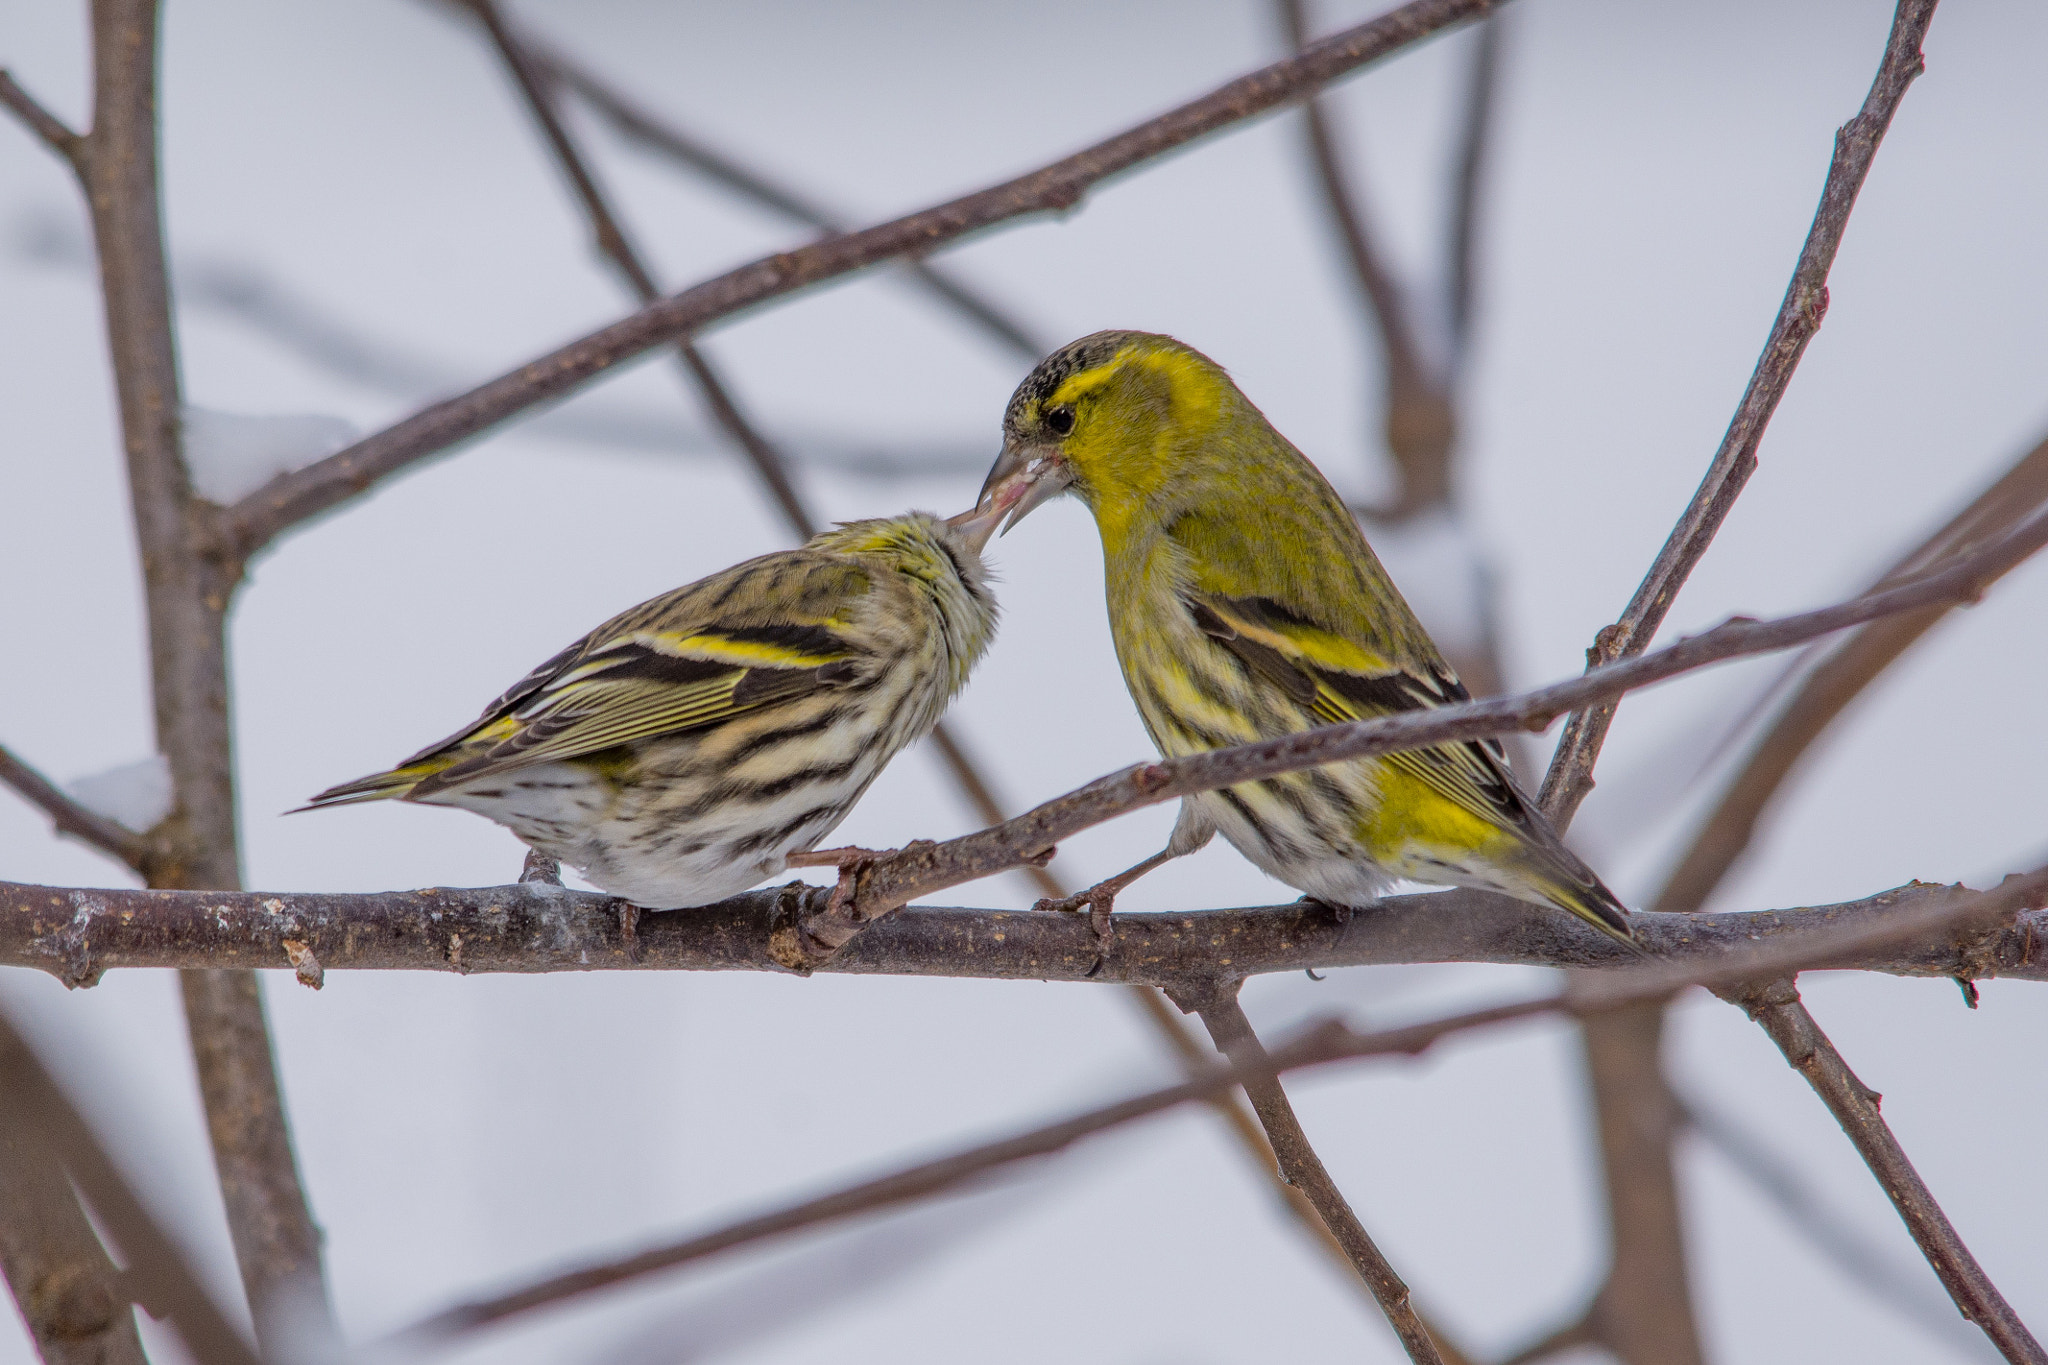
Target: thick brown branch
62, 1278
1799, 317
923, 868
1059, 186
53, 131
157, 1271
1838, 680
1633, 984
1776, 1007
659, 135
188, 582
1643, 1312
1226, 1022
77, 934
110, 837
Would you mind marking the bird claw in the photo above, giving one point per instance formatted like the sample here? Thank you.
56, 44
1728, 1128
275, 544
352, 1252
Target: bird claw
851, 860
1098, 901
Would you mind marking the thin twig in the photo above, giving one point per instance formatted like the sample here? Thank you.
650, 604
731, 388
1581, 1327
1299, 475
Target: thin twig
1799, 317
292, 498
660, 135
1897, 1285
160, 1274
54, 132
1475, 140
1418, 407
1776, 1007
88, 826
1327, 1043
1845, 674
613, 244
1226, 1022
924, 868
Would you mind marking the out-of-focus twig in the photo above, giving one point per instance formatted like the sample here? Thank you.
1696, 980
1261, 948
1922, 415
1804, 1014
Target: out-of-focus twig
1776, 1007
1897, 1285
54, 132
189, 578
1475, 142
292, 498
157, 1271
1232, 1031
1419, 426
660, 135
63, 1281
1829, 688
1799, 317
110, 837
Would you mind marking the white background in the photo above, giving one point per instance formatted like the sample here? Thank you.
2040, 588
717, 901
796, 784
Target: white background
1657, 168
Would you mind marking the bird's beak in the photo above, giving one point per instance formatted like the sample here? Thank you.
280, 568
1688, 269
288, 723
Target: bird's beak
1023, 478
977, 524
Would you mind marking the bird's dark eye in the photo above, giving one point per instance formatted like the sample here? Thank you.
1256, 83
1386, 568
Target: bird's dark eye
1059, 421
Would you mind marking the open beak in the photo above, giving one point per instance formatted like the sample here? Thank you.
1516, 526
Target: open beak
977, 524
1023, 478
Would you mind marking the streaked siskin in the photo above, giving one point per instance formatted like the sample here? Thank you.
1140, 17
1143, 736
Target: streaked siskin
1245, 604
683, 750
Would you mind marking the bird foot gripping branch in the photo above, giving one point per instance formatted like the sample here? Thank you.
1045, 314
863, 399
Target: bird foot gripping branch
806, 941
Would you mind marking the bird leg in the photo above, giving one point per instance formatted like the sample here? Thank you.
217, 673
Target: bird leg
539, 867
1100, 899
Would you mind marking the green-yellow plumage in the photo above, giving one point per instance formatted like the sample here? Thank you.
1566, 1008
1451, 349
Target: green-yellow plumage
1245, 604
684, 749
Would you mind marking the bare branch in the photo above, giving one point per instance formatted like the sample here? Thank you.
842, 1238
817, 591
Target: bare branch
78, 934
1304, 1170
160, 1275
1574, 1334
1474, 141
613, 244
1776, 1007
63, 1281
1644, 1310
1899, 1286
1419, 425
53, 131
1799, 317
110, 837
661, 136
1329, 1042
1827, 691
188, 584
923, 868
293, 498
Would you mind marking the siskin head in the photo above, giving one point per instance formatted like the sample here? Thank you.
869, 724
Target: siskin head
1118, 418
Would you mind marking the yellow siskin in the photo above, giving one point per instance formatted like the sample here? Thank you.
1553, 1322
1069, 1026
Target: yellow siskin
683, 750
1245, 605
